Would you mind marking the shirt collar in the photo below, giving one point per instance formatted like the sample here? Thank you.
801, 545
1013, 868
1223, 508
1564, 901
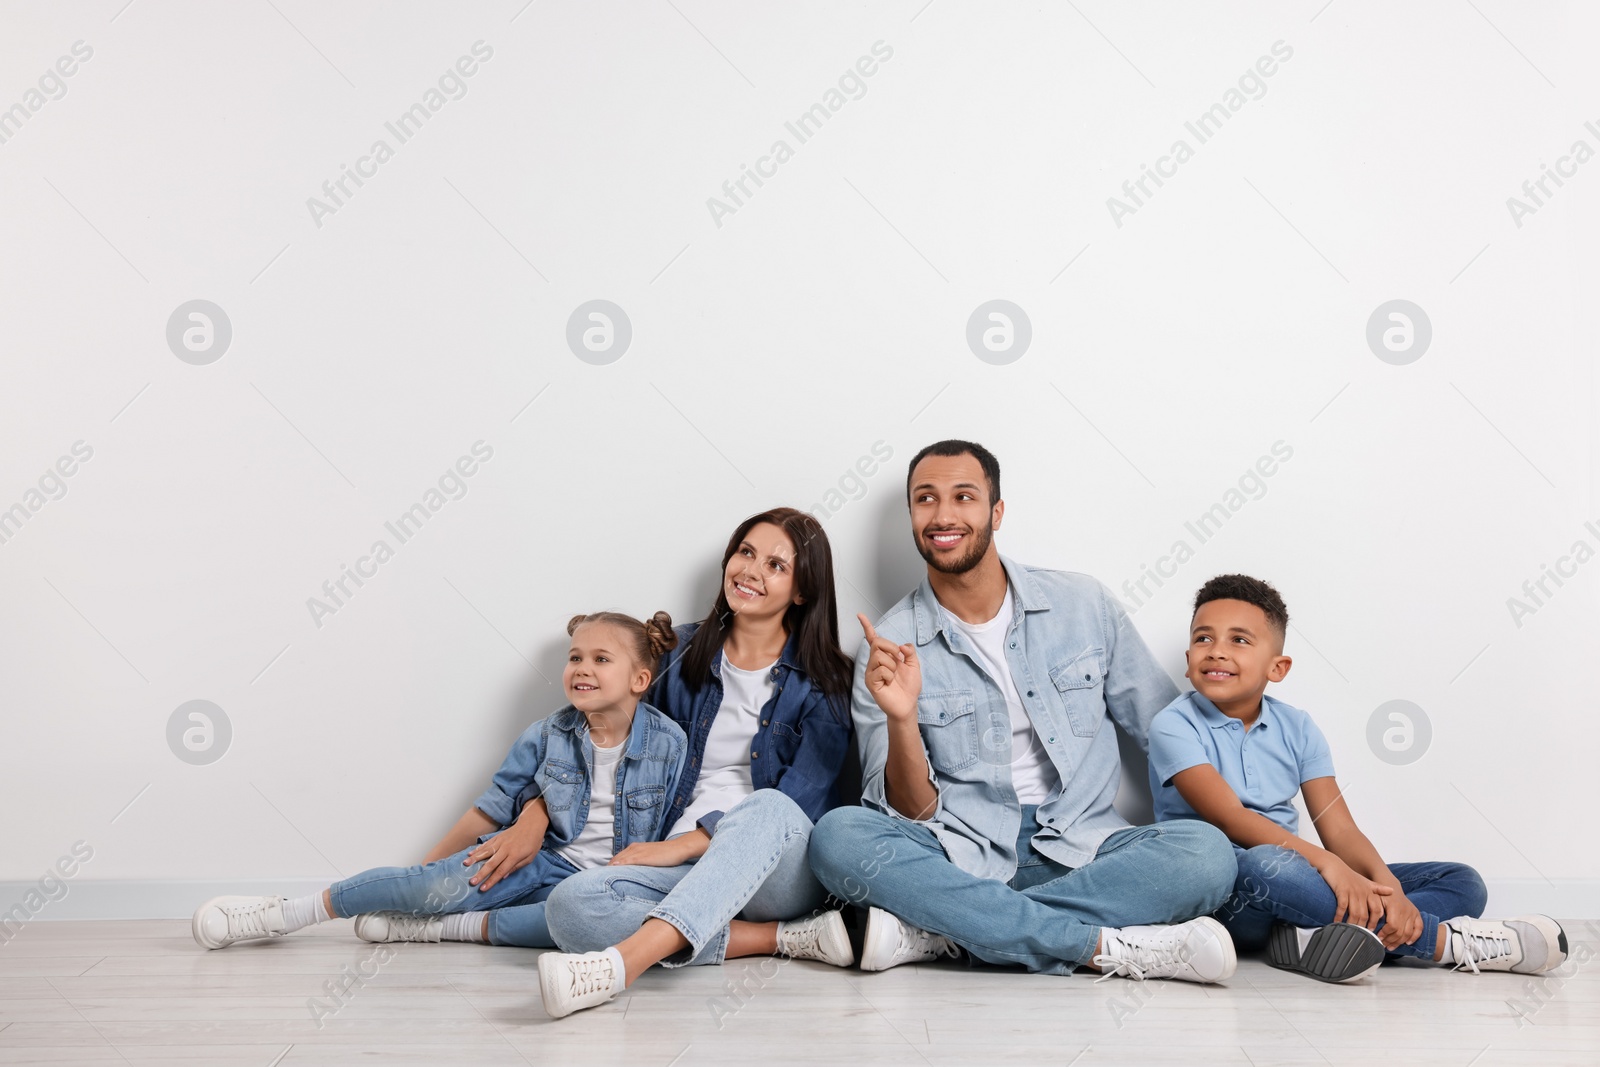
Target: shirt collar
789, 657
1215, 719
572, 721
1026, 596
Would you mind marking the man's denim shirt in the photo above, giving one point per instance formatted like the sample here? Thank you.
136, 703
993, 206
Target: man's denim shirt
801, 739
554, 759
1077, 662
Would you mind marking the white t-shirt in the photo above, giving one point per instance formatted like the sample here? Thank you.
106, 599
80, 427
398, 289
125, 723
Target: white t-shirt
725, 765
592, 846
1033, 776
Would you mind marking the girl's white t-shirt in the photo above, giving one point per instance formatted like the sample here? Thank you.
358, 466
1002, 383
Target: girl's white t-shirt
592, 846
725, 766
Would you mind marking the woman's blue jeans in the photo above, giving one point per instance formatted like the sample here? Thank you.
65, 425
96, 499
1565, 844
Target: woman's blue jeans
754, 869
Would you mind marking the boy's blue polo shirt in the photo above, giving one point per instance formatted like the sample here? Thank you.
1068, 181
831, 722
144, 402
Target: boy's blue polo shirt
1265, 764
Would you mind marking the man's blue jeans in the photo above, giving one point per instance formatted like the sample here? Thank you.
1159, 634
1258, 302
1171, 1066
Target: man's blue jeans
515, 904
1048, 917
1279, 885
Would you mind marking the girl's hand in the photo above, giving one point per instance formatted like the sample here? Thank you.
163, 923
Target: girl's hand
1361, 900
1402, 923
678, 850
506, 852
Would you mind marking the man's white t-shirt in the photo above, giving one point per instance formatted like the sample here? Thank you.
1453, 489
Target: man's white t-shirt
725, 765
592, 846
1033, 776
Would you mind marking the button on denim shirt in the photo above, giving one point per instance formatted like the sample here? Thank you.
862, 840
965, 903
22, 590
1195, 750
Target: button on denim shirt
554, 759
801, 738
1077, 662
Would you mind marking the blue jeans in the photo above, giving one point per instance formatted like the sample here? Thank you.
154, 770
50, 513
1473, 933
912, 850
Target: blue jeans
1279, 885
754, 869
1048, 917
515, 904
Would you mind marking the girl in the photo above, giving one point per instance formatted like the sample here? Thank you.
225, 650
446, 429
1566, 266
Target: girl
590, 780
762, 690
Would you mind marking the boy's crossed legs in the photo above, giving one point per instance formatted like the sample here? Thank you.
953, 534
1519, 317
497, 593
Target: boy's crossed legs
1278, 885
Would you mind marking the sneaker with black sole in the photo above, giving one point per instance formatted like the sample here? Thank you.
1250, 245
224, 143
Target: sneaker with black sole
1338, 952
890, 942
1527, 944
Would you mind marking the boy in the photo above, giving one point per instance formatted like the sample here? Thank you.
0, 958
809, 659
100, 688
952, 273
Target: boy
1235, 758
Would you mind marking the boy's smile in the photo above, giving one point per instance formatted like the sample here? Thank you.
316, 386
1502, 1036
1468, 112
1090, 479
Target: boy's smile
1234, 651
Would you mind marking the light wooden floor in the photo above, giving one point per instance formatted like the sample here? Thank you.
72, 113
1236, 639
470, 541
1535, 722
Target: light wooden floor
143, 993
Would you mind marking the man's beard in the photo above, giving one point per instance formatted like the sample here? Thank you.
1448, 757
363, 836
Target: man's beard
982, 539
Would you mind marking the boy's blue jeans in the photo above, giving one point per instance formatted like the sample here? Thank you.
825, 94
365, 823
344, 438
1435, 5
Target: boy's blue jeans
1279, 885
1048, 917
515, 904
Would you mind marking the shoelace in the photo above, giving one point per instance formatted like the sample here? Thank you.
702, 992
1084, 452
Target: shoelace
1474, 946
408, 927
1142, 961
247, 921
802, 943
1111, 967
920, 943
589, 976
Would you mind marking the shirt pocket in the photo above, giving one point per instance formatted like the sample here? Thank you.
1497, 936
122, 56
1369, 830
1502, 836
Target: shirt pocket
1081, 686
949, 725
561, 782
645, 805
786, 741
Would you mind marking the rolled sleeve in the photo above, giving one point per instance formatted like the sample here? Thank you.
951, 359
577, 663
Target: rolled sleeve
1174, 746
514, 783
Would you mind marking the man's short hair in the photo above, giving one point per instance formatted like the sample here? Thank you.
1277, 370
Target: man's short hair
1251, 591
956, 447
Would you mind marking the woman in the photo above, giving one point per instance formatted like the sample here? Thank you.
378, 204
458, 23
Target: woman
761, 688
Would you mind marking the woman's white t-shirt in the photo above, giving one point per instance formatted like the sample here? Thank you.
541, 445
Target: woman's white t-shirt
725, 765
592, 846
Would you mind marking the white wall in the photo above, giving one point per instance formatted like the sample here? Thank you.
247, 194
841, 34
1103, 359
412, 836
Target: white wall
374, 345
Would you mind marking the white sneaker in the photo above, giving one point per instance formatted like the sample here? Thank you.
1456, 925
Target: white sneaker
890, 942
821, 937
380, 926
1199, 950
1528, 944
221, 921
1338, 952
570, 982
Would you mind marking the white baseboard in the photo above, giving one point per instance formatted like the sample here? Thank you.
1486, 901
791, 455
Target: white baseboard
1564, 898
88, 898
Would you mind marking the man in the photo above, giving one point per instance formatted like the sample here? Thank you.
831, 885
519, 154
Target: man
983, 704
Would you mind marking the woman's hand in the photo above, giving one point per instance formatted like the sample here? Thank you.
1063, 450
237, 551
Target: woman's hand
1361, 900
670, 853
510, 850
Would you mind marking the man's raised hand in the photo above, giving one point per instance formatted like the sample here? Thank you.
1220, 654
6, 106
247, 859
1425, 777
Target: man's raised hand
894, 677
